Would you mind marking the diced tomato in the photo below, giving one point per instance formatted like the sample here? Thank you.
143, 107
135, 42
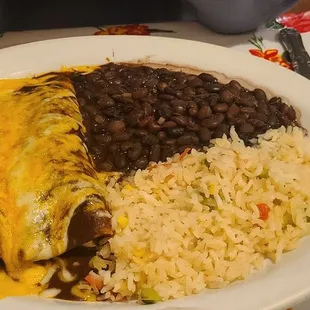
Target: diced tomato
94, 281
263, 211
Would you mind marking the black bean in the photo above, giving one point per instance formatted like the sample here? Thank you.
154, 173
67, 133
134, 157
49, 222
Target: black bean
161, 135
201, 103
133, 118
182, 148
166, 97
204, 134
273, 121
247, 102
91, 110
273, 109
155, 153
170, 91
135, 152
262, 108
180, 120
147, 109
105, 166
235, 84
222, 129
114, 89
247, 110
140, 93
260, 116
120, 161
113, 147
154, 127
170, 141
193, 127
175, 132
227, 96
178, 87
161, 86
113, 112
213, 87
97, 128
213, 99
109, 75
275, 100
189, 92
291, 114
201, 96
105, 101
82, 102
121, 136
165, 111
141, 163
144, 122
246, 128
152, 82
259, 94
100, 120
234, 110
284, 120
140, 132
213, 122
149, 139
283, 108
116, 126
206, 77
220, 107
169, 124
179, 109
193, 111
201, 91
103, 139
167, 152
93, 77
125, 146
101, 84
186, 139
256, 122
181, 77
194, 81
204, 112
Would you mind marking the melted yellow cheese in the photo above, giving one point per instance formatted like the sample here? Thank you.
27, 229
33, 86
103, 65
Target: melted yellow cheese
45, 171
28, 284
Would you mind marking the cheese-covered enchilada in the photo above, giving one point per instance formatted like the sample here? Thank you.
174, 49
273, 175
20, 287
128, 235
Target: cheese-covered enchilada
49, 189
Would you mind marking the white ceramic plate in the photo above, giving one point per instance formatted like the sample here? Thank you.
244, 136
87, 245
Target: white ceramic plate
277, 286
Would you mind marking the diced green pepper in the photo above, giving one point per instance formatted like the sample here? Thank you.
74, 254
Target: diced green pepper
149, 296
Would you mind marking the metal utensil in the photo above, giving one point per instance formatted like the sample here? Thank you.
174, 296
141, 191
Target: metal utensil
292, 42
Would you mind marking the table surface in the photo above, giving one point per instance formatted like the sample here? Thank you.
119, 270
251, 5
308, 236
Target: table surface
263, 43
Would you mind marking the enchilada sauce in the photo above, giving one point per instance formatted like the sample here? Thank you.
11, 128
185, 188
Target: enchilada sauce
77, 263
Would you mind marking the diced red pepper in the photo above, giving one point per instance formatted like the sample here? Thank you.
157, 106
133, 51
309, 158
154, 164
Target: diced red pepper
263, 211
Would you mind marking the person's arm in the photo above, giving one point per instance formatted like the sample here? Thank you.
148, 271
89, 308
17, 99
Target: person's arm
237, 16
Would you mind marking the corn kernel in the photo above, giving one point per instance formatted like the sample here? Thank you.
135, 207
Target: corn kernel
139, 252
213, 189
128, 187
122, 221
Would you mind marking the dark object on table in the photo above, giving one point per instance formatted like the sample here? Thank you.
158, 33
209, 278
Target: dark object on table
292, 42
18, 15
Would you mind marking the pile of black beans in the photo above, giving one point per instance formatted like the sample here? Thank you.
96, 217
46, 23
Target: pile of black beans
137, 114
